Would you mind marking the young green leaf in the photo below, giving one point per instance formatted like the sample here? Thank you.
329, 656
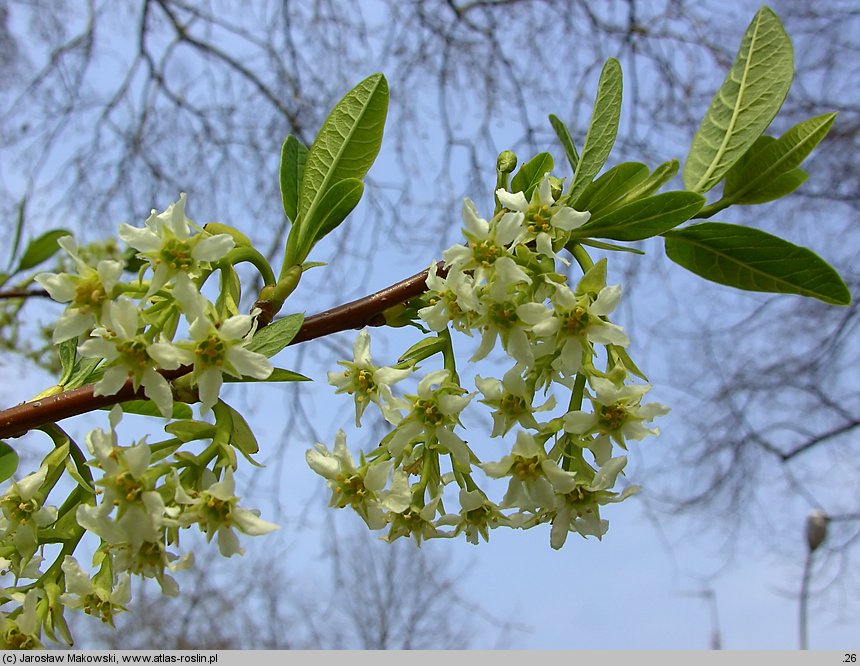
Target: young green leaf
347, 143
752, 179
40, 249
338, 202
659, 177
84, 371
277, 335
750, 259
293, 156
599, 195
643, 218
531, 174
68, 352
278, 375
745, 104
8, 461
189, 430
242, 437
566, 140
602, 130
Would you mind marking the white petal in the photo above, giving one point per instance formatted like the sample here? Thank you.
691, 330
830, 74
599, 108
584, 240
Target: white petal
60, 286
513, 200
569, 219
212, 248
248, 363
579, 422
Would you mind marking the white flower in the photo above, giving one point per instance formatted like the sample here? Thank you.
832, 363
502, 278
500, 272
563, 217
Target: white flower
574, 323
617, 412
24, 513
487, 241
85, 594
367, 382
166, 242
535, 478
579, 510
363, 488
477, 516
213, 351
452, 299
129, 352
217, 512
545, 220
434, 415
86, 293
511, 399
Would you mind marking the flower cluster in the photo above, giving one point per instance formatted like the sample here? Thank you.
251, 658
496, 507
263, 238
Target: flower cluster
137, 510
133, 325
136, 499
502, 284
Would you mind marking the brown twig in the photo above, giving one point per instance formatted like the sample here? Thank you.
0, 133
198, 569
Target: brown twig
366, 311
24, 293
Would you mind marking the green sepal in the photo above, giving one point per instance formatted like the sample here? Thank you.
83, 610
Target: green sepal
531, 174
277, 335
753, 260
644, 218
746, 103
294, 154
190, 430
602, 130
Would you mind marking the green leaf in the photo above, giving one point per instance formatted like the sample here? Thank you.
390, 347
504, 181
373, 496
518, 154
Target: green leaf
643, 218
347, 143
659, 177
566, 140
278, 375
41, 249
338, 202
752, 179
754, 260
602, 130
16, 239
68, 352
84, 370
745, 104
148, 408
277, 335
8, 461
531, 174
612, 247
293, 156
779, 187
610, 187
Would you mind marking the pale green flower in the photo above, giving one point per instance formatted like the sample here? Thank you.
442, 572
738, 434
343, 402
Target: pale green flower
217, 512
545, 220
367, 382
579, 509
535, 478
87, 293
83, 593
24, 513
215, 350
511, 400
477, 516
362, 488
24, 631
128, 352
434, 413
167, 243
617, 412
452, 300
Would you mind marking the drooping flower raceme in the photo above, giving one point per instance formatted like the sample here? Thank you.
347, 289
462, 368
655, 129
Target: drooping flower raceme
503, 284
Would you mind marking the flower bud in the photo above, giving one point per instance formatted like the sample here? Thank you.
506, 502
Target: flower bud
506, 162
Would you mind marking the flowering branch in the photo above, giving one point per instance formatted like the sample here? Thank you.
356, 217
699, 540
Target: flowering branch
367, 311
